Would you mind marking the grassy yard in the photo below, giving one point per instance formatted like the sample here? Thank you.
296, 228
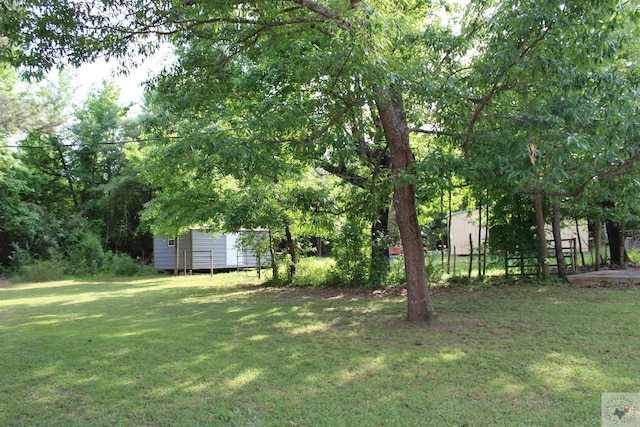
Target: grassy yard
192, 351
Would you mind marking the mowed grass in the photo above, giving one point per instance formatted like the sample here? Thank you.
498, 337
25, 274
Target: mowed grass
201, 351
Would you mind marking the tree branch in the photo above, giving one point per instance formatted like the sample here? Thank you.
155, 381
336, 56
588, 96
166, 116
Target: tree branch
328, 14
432, 132
611, 173
496, 87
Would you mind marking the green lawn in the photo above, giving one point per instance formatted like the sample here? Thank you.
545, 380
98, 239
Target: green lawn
191, 351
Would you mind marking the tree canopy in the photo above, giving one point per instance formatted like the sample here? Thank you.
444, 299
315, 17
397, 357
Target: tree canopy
390, 97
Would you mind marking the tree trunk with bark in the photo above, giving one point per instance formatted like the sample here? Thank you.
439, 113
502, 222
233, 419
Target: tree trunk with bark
557, 240
274, 261
615, 234
176, 255
542, 241
597, 241
392, 115
67, 175
291, 250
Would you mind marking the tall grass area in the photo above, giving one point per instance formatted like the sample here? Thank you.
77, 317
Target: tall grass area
109, 265
202, 351
315, 272
321, 272
634, 255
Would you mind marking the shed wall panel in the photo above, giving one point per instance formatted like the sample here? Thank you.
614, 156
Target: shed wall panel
463, 224
203, 244
198, 245
163, 254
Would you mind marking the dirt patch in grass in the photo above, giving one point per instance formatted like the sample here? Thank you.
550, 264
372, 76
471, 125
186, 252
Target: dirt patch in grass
317, 294
609, 285
351, 293
449, 323
345, 293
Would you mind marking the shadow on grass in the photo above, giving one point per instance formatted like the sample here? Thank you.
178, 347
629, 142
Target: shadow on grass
181, 352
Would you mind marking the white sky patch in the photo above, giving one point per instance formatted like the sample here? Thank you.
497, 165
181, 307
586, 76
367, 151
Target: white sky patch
132, 84
90, 76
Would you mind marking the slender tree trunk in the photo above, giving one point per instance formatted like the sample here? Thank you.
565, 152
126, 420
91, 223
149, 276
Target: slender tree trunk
557, 239
542, 241
67, 175
580, 248
379, 263
486, 237
449, 208
274, 262
597, 242
291, 250
624, 257
392, 115
176, 255
479, 238
470, 255
442, 238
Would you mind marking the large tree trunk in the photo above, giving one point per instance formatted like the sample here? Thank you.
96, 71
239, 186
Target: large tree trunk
557, 240
615, 234
396, 131
542, 241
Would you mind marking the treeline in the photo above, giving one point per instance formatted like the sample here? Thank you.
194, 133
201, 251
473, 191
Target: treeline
70, 196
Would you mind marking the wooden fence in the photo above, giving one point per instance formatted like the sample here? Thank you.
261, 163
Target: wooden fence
519, 264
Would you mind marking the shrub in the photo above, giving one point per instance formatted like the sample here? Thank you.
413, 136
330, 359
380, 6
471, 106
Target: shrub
434, 271
85, 254
43, 271
351, 254
459, 281
280, 277
310, 272
634, 256
124, 265
315, 272
20, 258
396, 276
